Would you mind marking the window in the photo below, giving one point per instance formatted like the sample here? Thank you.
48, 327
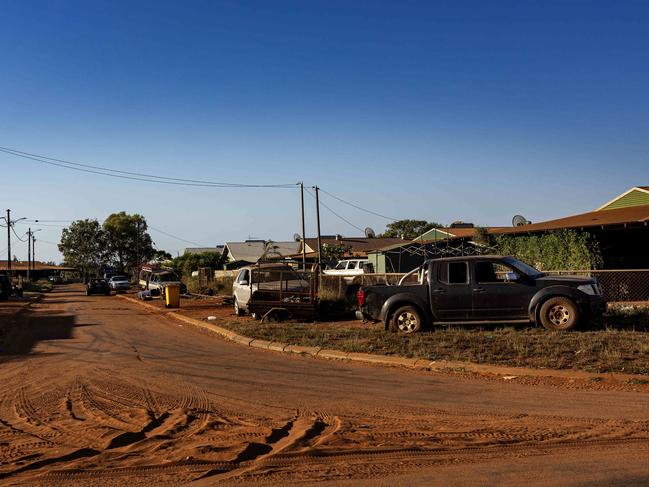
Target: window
491, 272
454, 273
243, 276
352, 264
341, 265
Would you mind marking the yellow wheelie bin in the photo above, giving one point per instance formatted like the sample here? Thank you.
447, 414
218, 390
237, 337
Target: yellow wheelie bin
172, 296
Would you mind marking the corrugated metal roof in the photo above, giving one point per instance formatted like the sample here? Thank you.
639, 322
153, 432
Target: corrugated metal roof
360, 245
202, 250
252, 251
632, 214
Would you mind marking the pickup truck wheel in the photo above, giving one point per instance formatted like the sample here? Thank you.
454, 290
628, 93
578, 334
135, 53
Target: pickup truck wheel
559, 314
407, 319
237, 311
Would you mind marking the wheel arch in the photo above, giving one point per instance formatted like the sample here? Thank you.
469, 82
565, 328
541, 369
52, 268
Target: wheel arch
548, 293
397, 301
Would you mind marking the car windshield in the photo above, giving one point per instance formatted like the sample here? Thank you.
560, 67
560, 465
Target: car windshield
341, 265
524, 268
168, 277
120, 278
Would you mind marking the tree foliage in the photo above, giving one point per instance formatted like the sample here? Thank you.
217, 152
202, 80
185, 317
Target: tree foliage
128, 240
120, 242
187, 263
84, 245
335, 251
558, 250
409, 228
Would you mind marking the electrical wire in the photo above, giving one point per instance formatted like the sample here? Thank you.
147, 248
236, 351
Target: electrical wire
46, 241
336, 214
174, 236
14, 232
358, 207
48, 221
150, 178
39, 224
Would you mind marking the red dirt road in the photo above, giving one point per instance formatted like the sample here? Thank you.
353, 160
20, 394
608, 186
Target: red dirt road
107, 393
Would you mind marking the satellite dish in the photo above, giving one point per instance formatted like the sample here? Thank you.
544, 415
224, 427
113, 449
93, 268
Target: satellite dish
297, 237
369, 233
519, 221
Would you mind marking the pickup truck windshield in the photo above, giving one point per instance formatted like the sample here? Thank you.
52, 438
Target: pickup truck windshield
168, 277
524, 268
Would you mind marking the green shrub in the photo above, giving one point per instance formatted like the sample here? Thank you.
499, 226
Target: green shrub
557, 250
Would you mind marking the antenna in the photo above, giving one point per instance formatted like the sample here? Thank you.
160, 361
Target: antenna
370, 233
297, 237
519, 221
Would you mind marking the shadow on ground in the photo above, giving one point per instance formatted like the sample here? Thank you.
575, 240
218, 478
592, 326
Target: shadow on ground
29, 329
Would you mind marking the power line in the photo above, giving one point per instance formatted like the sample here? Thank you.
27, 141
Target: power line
174, 236
150, 178
39, 224
336, 214
358, 207
46, 241
14, 232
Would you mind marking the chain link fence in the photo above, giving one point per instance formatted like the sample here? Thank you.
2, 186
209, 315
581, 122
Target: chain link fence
617, 285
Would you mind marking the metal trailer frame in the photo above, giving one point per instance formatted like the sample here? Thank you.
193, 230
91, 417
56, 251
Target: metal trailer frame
282, 302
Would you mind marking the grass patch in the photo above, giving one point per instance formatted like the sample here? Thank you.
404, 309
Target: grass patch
620, 344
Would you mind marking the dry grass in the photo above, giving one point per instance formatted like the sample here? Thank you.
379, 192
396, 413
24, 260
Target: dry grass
620, 344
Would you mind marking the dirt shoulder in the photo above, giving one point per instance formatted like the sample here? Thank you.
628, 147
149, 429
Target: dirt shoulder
612, 357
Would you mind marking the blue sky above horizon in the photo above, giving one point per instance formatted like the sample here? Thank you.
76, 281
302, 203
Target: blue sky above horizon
434, 110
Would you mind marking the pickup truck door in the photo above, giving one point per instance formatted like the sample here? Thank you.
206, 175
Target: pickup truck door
500, 292
450, 291
241, 288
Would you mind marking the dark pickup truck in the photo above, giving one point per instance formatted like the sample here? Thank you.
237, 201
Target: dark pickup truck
481, 289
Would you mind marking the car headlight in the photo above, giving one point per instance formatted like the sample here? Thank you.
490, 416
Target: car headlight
590, 289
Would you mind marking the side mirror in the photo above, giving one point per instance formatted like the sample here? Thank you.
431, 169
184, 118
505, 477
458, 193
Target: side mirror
511, 277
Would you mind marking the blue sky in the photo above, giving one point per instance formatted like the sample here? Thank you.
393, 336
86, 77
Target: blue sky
433, 110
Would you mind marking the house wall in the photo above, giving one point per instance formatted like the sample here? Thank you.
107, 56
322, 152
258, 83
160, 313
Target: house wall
634, 198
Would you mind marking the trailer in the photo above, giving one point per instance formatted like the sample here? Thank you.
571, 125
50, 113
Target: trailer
279, 294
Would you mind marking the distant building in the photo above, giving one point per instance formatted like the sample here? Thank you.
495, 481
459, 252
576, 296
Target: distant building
202, 250
239, 254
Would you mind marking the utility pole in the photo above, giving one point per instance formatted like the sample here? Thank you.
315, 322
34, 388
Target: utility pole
9, 242
317, 212
29, 254
303, 231
34, 251
137, 246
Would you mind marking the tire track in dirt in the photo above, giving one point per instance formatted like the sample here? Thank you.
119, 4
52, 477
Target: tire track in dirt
195, 408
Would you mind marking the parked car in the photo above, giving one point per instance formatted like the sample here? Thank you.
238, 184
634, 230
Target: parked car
157, 279
350, 268
97, 286
119, 283
55, 279
482, 289
264, 277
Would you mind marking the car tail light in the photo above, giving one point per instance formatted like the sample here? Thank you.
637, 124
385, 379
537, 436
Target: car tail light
360, 296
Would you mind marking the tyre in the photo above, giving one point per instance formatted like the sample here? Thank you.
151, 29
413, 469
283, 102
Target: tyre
87, 293
407, 319
237, 310
559, 314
